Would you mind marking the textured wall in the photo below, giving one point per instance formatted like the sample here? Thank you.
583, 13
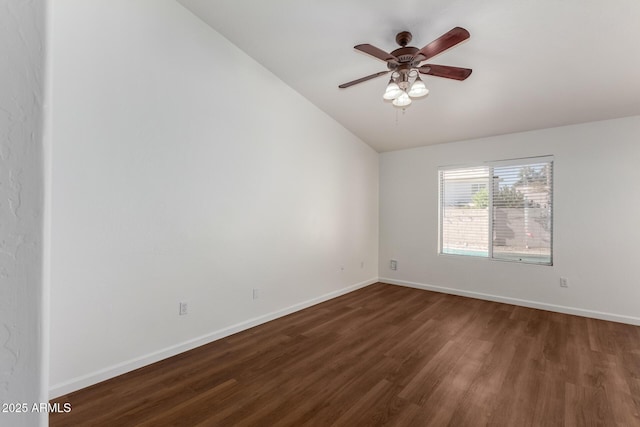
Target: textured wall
21, 204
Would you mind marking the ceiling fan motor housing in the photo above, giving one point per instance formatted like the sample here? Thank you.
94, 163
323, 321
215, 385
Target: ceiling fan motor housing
405, 55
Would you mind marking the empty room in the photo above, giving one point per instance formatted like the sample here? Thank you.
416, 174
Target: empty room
288, 213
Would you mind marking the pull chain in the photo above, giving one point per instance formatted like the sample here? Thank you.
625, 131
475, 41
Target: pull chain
403, 112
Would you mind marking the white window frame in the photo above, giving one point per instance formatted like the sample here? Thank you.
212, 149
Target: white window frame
524, 161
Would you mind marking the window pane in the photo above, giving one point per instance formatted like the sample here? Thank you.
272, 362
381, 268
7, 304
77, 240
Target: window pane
464, 202
522, 208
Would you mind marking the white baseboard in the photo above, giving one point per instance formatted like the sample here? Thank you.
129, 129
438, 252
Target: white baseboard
77, 383
516, 301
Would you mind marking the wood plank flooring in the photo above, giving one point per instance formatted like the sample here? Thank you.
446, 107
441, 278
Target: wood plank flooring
387, 355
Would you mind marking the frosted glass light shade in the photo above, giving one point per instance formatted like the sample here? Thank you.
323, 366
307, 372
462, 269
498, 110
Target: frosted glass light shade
418, 89
392, 91
402, 101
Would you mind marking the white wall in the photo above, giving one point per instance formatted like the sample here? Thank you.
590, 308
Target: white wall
22, 46
596, 217
185, 171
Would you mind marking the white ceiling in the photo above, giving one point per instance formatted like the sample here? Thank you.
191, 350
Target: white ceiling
536, 63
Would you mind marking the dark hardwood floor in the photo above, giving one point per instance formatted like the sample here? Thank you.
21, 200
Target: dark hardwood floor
387, 355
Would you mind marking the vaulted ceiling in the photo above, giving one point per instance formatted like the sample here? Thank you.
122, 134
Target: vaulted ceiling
536, 64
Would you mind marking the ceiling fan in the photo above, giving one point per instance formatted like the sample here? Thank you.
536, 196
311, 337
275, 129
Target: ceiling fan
404, 66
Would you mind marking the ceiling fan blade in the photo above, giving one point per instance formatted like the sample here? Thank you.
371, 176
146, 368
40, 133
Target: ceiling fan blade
363, 79
455, 73
377, 53
442, 43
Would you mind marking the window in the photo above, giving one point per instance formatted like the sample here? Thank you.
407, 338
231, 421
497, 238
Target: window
499, 210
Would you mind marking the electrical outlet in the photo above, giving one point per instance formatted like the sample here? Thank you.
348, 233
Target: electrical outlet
182, 309
393, 264
361, 264
564, 282
256, 293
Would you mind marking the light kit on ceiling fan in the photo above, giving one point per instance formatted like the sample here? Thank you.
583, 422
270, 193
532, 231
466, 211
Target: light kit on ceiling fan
403, 101
418, 88
392, 91
403, 88
405, 83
